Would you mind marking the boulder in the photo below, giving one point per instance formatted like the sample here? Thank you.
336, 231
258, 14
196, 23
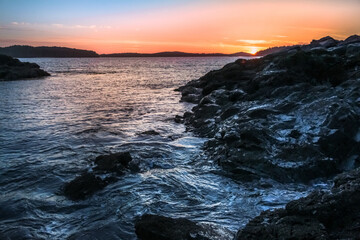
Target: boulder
150, 132
88, 183
151, 227
83, 186
116, 162
321, 215
155, 227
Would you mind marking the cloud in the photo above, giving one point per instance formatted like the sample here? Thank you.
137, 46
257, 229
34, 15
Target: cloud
251, 41
58, 25
20, 23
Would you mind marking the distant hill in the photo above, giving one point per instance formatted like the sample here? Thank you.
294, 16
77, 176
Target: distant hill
177, 54
19, 51
57, 52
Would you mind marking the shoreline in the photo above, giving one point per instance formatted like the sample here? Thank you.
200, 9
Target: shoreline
299, 107
294, 123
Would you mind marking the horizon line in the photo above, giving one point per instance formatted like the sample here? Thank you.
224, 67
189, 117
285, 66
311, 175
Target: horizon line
175, 51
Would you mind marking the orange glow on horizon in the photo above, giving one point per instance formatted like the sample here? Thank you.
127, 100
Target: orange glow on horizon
211, 27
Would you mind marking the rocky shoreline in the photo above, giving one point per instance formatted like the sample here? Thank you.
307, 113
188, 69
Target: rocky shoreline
13, 69
321, 215
291, 116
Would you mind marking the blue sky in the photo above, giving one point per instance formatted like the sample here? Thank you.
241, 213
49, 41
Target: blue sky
175, 25
65, 11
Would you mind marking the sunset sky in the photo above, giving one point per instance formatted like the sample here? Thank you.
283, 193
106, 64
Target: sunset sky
207, 26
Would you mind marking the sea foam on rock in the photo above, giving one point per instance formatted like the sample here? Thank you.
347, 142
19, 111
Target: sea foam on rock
291, 116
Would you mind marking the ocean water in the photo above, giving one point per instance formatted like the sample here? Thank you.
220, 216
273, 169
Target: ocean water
52, 129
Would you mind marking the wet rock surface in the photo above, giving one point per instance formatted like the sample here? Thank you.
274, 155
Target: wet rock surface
292, 116
104, 172
321, 215
84, 186
155, 227
13, 69
116, 162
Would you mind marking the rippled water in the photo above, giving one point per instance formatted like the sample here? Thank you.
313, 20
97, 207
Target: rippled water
52, 129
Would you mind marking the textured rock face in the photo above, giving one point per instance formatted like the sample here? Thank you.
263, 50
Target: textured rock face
163, 228
83, 186
106, 168
13, 69
291, 116
321, 215
154, 227
116, 162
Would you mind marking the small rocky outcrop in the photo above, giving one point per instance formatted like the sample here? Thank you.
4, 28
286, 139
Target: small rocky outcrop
84, 186
155, 227
116, 162
291, 116
13, 69
104, 172
321, 215
150, 132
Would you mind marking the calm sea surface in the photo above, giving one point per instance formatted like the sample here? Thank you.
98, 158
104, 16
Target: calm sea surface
53, 128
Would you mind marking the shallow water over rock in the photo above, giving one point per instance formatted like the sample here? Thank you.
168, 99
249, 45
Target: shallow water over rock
51, 131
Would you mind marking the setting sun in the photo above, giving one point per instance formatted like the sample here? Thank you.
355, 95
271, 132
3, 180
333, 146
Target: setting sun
201, 119
253, 50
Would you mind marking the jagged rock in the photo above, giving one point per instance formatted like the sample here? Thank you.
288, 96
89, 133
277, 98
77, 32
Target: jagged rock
154, 227
325, 42
13, 69
88, 183
116, 162
291, 116
150, 132
351, 39
179, 119
151, 227
83, 186
321, 215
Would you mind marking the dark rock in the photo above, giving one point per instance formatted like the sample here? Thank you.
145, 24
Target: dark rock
150, 132
260, 112
83, 186
321, 215
293, 115
13, 69
116, 162
295, 134
151, 227
325, 42
154, 227
351, 39
88, 183
179, 119
190, 94
231, 111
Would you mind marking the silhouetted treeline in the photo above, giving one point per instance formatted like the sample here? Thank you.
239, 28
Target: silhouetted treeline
176, 54
63, 52
59, 52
